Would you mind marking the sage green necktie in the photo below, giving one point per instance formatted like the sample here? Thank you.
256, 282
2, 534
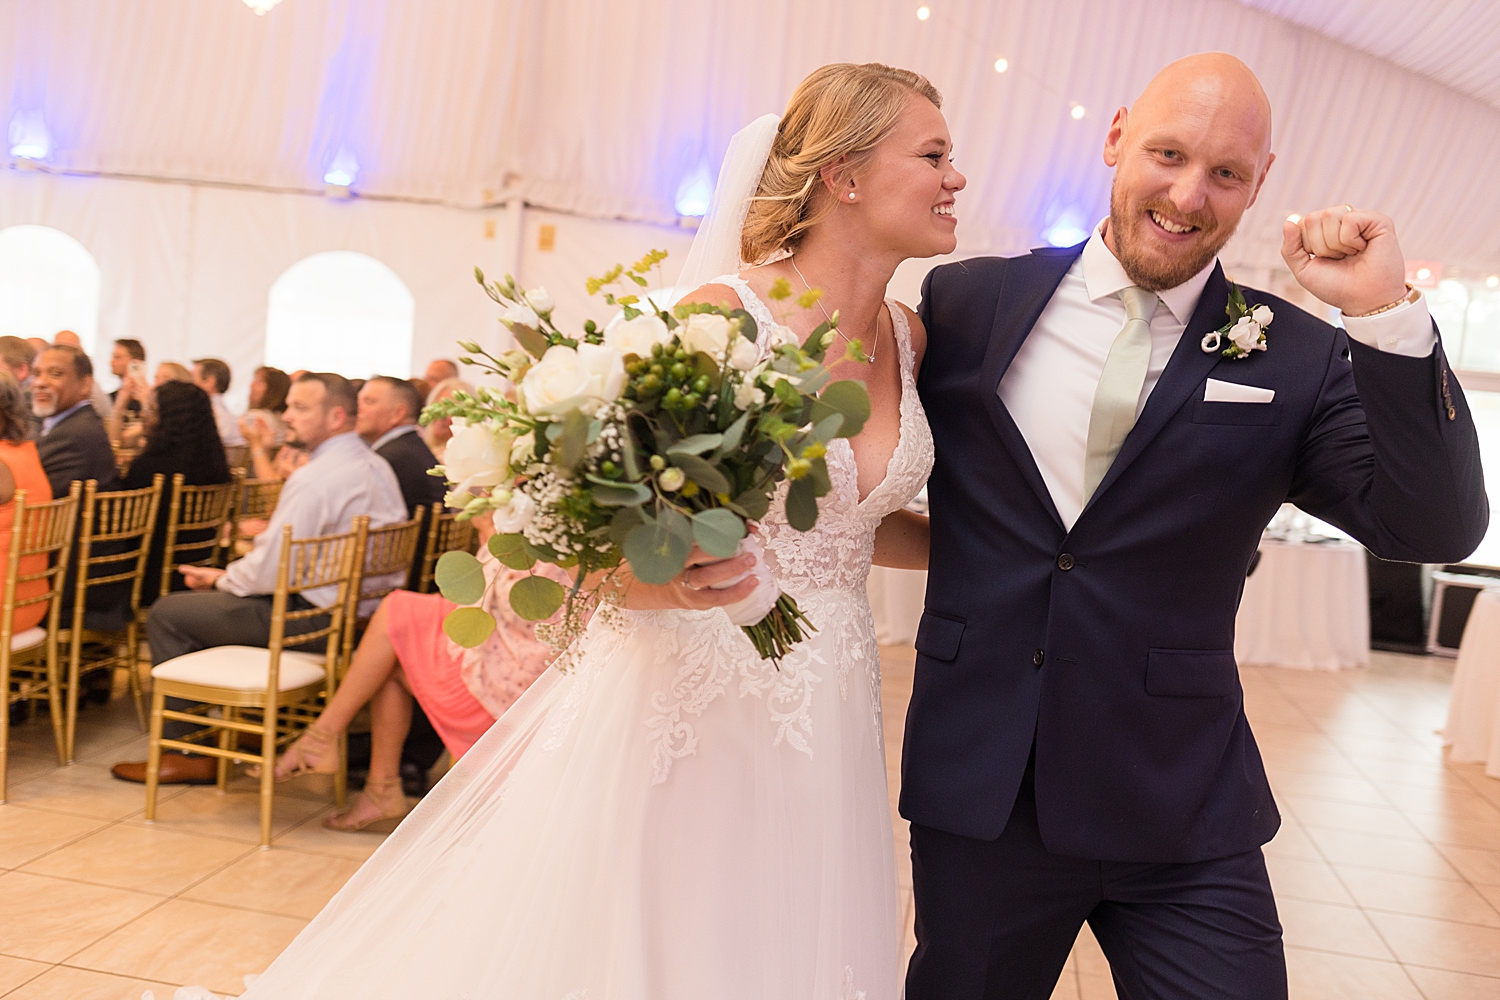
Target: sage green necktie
1120, 384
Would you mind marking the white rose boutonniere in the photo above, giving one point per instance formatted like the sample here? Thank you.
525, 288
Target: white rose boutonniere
1245, 331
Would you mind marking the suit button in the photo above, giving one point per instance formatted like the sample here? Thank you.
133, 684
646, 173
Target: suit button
1065, 562
1038, 657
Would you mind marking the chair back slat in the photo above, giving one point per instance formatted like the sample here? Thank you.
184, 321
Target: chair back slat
445, 533
123, 520
389, 552
308, 564
195, 509
42, 529
255, 501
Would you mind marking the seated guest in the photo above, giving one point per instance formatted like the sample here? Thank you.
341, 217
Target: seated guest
72, 442
268, 391
232, 606
440, 370
38, 345
212, 376
127, 356
423, 387
19, 358
103, 405
439, 432
180, 437
20, 469
405, 654
387, 421
171, 371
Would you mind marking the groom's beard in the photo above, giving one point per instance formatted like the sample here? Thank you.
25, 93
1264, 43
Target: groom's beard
1157, 268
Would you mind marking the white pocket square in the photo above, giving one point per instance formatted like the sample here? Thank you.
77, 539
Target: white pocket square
1233, 392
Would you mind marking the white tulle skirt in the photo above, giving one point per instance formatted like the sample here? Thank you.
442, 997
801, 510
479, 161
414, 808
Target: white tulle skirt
672, 820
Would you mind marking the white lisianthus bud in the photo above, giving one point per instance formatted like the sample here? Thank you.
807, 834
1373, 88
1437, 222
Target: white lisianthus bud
539, 300
566, 379
520, 315
636, 336
499, 498
744, 355
523, 450
1262, 316
477, 455
516, 515
672, 479
747, 395
783, 336
515, 364
706, 332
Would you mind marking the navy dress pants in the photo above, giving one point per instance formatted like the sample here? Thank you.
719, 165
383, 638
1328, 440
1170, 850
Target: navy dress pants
996, 919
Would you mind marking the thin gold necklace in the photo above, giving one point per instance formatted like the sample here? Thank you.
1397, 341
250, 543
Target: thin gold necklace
875, 326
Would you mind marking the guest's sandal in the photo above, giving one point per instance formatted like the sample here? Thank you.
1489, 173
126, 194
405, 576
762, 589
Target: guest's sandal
314, 752
379, 808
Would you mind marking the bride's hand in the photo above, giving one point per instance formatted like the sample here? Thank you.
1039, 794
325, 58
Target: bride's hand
691, 589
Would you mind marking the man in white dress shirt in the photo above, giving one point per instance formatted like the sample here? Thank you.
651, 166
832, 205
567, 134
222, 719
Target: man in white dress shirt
212, 376
1107, 455
342, 480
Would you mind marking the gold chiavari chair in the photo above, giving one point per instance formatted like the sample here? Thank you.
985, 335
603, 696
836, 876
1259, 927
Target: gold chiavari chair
114, 542
41, 532
252, 685
255, 500
445, 533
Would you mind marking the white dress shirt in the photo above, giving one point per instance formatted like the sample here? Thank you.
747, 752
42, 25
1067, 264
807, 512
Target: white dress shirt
341, 480
227, 422
1049, 387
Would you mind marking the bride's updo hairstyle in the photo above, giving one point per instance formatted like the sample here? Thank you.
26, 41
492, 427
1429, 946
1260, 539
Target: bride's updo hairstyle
843, 109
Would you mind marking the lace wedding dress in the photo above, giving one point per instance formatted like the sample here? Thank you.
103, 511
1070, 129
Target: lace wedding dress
674, 819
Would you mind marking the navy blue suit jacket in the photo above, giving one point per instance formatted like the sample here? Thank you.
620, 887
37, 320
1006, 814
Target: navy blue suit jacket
1111, 646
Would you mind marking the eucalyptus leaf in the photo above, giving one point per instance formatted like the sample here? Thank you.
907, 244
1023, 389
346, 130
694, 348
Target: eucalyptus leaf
696, 445
512, 551
702, 472
459, 577
658, 550
753, 502
531, 341
624, 520
819, 475
813, 345
618, 494
536, 598
628, 452
848, 398
718, 532
827, 429
573, 440
469, 627
735, 434
748, 329
801, 504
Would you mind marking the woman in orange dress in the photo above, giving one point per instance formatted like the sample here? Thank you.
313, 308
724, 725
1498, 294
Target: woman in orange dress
20, 470
404, 655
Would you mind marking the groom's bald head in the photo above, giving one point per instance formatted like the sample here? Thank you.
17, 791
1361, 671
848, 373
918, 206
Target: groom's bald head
1189, 156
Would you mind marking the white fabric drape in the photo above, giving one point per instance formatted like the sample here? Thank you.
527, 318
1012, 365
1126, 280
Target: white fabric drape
603, 109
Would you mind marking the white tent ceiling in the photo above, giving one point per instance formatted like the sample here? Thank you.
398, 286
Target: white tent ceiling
605, 108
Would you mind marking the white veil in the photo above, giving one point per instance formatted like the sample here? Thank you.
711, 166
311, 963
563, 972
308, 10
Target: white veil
716, 248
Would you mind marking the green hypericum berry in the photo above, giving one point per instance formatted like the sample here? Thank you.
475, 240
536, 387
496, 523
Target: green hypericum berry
651, 384
657, 370
609, 469
681, 354
588, 326
691, 400
700, 385
680, 371
656, 350
673, 398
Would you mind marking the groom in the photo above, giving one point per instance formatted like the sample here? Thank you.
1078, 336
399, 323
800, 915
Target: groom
1076, 746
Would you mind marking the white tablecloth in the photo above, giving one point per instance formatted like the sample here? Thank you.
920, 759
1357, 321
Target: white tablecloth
896, 597
1306, 606
1474, 709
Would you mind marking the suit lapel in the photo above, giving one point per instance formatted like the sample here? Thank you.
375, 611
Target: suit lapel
1027, 287
1185, 372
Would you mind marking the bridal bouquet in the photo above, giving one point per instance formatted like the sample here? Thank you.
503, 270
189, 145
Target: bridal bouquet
633, 442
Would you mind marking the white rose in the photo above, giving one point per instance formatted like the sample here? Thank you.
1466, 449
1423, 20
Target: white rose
516, 515
477, 455
747, 395
783, 335
1262, 316
566, 379
745, 355
1245, 334
520, 315
523, 450
539, 300
636, 336
706, 332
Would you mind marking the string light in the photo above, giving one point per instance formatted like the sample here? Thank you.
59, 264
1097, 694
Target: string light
1077, 112
1493, 281
923, 13
1424, 273
1001, 65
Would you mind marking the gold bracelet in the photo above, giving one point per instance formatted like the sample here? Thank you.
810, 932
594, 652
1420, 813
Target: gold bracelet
1412, 295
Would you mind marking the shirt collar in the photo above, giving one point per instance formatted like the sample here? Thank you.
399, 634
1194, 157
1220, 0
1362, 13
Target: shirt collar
336, 443
1105, 277
392, 435
50, 422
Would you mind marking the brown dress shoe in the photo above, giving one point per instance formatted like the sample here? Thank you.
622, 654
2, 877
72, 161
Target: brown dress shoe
176, 769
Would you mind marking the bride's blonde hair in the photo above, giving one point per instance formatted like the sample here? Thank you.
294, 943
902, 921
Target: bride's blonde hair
843, 109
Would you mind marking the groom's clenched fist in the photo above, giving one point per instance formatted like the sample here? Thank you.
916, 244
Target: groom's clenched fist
1346, 257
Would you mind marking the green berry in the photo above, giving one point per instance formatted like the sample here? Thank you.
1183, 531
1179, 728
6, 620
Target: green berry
657, 370
609, 469
691, 400
700, 385
651, 384
680, 371
656, 350
658, 463
681, 354
673, 398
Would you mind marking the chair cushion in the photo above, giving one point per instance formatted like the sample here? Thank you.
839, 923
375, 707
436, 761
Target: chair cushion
33, 636
240, 668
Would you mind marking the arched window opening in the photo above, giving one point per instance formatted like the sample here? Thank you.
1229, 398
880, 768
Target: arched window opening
343, 312
48, 283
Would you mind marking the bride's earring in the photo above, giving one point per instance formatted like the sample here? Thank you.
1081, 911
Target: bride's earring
851, 195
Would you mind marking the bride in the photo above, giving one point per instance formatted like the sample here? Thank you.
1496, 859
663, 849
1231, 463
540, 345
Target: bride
676, 818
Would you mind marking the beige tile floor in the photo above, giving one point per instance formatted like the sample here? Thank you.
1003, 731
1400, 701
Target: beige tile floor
1387, 869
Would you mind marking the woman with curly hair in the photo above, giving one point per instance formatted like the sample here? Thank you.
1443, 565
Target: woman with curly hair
181, 436
20, 470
